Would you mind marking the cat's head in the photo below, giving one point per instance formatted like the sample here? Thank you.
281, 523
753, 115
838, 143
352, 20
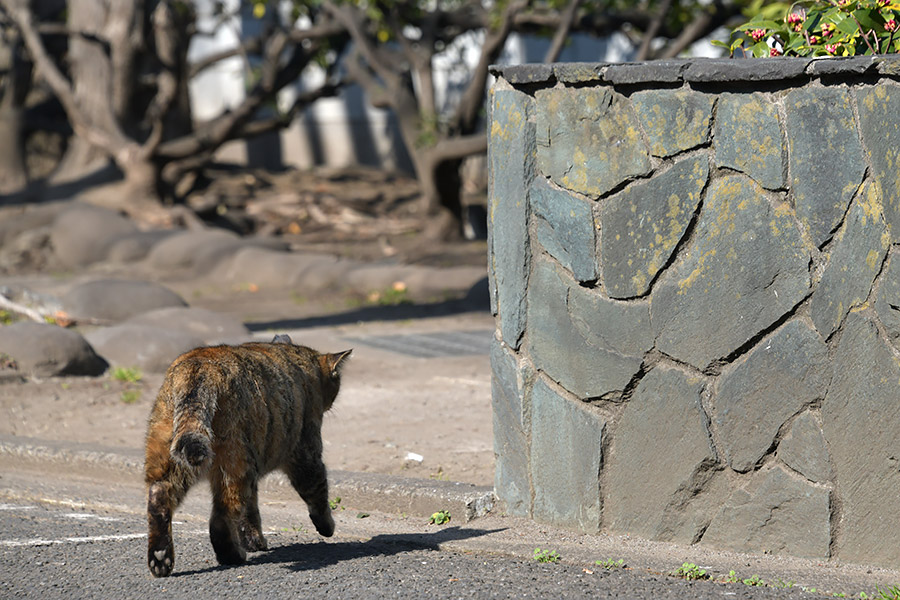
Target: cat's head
331, 365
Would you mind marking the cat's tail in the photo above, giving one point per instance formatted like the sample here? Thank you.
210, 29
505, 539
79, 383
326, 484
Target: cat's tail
192, 427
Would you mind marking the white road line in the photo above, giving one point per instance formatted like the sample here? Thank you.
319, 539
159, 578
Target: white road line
16, 507
72, 540
85, 516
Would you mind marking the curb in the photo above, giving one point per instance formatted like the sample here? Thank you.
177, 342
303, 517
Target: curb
388, 494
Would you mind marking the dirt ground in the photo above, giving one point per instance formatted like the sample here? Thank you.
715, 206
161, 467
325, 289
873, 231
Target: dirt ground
393, 408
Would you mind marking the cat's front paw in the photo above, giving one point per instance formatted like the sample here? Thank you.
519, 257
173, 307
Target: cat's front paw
253, 540
161, 560
324, 524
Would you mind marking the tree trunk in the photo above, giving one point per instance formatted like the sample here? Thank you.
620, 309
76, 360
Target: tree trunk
99, 90
15, 84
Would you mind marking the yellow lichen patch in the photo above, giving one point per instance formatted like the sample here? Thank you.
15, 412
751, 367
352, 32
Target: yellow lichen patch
694, 275
872, 259
871, 204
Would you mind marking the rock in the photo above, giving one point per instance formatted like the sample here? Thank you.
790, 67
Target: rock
674, 121
781, 375
271, 269
663, 461
82, 234
511, 156
588, 139
751, 131
206, 325
803, 450
826, 158
776, 514
856, 258
642, 226
878, 106
590, 345
132, 247
566, 229
745, 268
47, 350
200, 251
117, 300
566, 455
860, 414
151, 349
511, 398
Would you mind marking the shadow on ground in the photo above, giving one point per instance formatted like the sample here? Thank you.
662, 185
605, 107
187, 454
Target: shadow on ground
309, 556
475, 300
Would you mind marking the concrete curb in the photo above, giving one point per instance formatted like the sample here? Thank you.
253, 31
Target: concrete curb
376, 492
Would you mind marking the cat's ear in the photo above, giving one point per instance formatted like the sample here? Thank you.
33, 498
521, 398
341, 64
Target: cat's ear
333, 363
282, 338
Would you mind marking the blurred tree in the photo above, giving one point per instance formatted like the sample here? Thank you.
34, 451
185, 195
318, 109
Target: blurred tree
122, 82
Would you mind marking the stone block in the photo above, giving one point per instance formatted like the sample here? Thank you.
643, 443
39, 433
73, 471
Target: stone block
826, 157
860, 417
510, 396
674, 121
582, 72
775, 514
878, 108
748, 138
856, 258
661, 462
803, 449
641, 227
782, 374
745, 268
511, 157
726, 69
566, 457
147, 347
588, 139
656, 71
567, 229
590, 345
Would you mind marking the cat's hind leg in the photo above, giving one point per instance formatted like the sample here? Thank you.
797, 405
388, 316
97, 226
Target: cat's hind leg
232, 485
251, 527
162, 499
307, 474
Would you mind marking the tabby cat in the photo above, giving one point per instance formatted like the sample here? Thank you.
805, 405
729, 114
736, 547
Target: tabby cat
233, 414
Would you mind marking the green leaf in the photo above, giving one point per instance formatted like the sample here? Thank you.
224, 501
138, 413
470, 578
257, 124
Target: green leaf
760, 50
847, 26
869, 19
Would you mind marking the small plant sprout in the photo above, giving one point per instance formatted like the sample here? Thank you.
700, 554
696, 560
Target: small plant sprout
891, 593
753, 581
546, 556
611, 564
335, 504
731, 577
440, 517
130, 396
127, 374
690, 571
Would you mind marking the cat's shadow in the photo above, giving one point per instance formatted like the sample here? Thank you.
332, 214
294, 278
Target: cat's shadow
313, 555
307, 556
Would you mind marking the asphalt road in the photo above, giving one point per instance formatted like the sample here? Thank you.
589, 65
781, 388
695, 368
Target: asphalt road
76, 535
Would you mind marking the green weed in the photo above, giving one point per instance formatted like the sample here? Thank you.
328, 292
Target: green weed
891, 593
336, 503
127, 374
690, 571
610, 563
130, 396
440, 517
753, 581
546, 556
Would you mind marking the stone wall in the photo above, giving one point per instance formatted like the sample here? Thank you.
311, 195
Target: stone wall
696, 280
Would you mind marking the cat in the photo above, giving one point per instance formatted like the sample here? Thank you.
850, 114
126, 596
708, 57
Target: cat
233, 414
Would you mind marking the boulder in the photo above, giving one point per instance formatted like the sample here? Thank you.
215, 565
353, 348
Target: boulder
46, 350
117, 300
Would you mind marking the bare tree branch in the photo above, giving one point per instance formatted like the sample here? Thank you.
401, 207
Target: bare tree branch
562, 32
470, 104
348, 17
652, 30
456, 148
